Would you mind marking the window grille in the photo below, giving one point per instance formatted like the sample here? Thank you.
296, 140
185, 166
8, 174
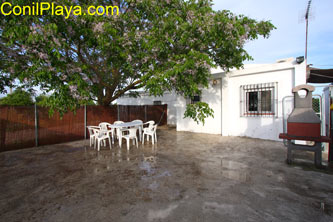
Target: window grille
259, 99
195, 99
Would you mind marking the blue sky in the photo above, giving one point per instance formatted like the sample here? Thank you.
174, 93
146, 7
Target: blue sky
288, 40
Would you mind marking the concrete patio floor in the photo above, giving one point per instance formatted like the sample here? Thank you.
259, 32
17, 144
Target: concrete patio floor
185, 177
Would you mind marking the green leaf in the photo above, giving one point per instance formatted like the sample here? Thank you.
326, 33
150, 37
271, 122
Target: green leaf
158, 45
198, 111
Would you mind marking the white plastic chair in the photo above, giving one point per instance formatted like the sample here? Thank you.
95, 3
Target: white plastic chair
101, 135
148, 124
131, 135
150, 132
107, 127
118, 130
92, 135
139, 127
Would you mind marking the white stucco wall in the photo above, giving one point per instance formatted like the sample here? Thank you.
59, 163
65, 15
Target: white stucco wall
287, 75
212, 125
169, 98
224, 99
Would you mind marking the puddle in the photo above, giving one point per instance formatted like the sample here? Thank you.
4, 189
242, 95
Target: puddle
213, 206
236, 175
151, 159
234, 170
229, 169
146, 166
153, 186
118, 156
161, 214
164, 174
232, 165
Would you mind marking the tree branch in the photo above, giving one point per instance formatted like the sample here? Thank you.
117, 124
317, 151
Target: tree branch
129, 87
78, 52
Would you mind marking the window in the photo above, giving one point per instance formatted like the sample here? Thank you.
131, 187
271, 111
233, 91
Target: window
259, 99
157, 102
195, 99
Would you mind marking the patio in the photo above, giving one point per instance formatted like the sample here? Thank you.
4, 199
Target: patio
184, 177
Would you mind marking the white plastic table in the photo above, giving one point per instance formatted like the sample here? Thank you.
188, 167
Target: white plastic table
126, 125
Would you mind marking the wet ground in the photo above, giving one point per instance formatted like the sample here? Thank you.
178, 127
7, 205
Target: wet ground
185, 177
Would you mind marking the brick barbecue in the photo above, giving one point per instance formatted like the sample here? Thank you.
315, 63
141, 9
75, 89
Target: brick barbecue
304, 124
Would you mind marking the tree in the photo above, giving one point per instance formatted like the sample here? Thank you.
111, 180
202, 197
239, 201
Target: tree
155, 45
43, 100
17, 98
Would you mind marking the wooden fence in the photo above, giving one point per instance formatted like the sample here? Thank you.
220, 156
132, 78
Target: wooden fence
19, 127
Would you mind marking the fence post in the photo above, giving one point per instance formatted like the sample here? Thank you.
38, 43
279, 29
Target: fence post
145, 113
85, 121
3, 129
36, 125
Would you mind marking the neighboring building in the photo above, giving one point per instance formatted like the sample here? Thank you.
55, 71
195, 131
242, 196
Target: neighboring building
169, 98
246, 102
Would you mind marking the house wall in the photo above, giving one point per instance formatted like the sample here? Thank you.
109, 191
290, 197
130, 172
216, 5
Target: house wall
287, 75
224, 99
169, 98
212, 125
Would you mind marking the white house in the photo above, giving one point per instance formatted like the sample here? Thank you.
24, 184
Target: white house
246, 102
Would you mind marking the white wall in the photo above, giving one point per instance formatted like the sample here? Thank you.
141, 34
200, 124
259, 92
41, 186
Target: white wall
224, 99
212, 125
287, 75
169, 98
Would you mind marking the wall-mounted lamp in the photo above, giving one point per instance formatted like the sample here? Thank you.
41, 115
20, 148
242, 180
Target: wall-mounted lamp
215, 82
299, 59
